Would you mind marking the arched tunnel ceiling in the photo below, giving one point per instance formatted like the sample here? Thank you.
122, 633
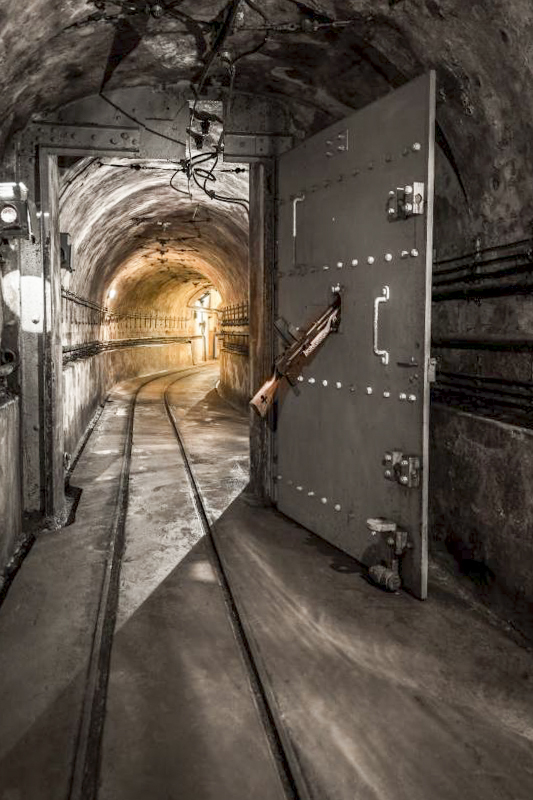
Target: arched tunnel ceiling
57, 50
131, 231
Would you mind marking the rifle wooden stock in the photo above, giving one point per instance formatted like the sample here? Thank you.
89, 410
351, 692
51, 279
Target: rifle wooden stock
299, 350
264, 398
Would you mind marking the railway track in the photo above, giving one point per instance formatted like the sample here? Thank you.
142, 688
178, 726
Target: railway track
85, 779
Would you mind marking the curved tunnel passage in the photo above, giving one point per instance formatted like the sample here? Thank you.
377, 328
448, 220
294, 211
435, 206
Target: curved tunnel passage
150, 261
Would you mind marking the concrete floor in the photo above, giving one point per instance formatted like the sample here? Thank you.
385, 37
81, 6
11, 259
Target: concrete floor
375, 695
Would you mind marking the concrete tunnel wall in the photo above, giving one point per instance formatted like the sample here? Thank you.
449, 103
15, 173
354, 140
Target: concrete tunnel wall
319, 74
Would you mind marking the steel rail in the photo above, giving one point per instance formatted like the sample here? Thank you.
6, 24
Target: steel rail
282, 749
86, 767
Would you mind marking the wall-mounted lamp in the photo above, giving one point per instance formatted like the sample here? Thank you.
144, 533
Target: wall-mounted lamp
17, 213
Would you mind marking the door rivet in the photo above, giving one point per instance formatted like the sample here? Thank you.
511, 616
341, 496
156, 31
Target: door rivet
299, 488
405, 253
402, 396
337, 507
388, 257
324, 500
300, 378
412, 398
404, 479
310, 494
324, 383
355, 262
417, 146
325, 266
369, 390
310, 380
388, 473
414, 252
370, 259
340, 264
386, 394
338, 385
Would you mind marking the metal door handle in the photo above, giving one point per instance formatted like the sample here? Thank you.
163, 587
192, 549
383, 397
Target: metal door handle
295, 201
383, 354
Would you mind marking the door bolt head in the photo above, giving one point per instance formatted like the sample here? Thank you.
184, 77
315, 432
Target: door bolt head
388, 473
369, 390
324, 500
310, 494
388, 256
391, 212
386, 394
414, 252
392, 193
416, 147
404, 479
299, 488
388, 457
279, 477
300, 378
412, 398
371, 259
338, 385
337, 507
325, 266
355, 262
402, 396
405, 253
310, 380
324, 383
339, 264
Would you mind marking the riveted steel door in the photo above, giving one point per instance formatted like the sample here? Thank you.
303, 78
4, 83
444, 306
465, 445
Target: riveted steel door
355, 216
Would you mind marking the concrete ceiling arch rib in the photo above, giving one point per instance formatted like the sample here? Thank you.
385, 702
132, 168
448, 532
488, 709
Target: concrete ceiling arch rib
131, 231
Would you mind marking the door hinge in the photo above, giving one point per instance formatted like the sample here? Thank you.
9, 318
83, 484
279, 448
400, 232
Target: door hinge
406, 201
402, 469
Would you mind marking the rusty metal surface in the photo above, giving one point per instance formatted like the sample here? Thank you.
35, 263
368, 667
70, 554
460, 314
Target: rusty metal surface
366, 390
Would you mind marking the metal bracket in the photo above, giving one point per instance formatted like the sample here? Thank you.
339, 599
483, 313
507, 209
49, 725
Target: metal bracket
337, 145
406, 201
388, 575
249, 147
402, 469
120, 140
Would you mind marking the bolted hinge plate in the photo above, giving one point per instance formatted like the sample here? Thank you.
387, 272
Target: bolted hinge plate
402, 469
406, 201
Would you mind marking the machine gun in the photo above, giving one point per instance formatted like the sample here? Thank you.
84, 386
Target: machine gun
289, 363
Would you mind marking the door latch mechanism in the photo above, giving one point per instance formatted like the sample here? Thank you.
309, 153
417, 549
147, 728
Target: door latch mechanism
406, 201
402, 469
387, 574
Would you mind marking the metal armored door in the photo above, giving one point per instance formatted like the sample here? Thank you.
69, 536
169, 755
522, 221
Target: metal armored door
355, 216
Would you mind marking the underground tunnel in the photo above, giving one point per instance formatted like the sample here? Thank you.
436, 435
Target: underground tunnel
265, 386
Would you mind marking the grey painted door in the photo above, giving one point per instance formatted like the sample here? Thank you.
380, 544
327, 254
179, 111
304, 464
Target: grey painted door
355, 214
